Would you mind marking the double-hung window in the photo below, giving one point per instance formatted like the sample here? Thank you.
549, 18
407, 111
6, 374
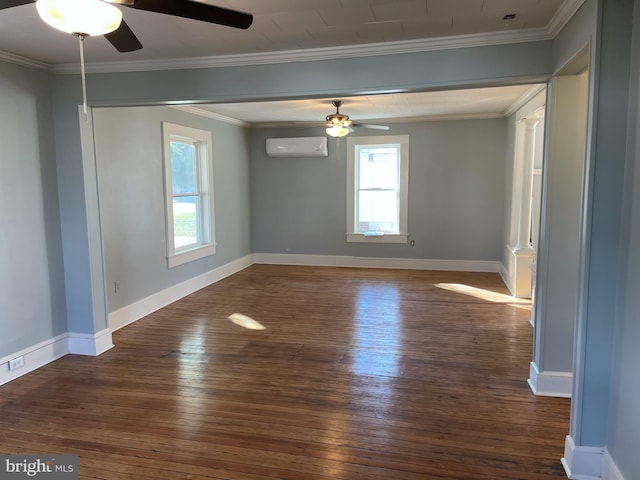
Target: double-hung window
377, 188
188, 173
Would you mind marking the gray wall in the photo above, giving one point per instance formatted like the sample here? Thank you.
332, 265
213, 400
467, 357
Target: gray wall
624, 421
559, 259
32, 307
601, 212
132, 206
456, 194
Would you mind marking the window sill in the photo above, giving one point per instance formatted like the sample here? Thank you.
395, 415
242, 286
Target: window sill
187, 256
386, 238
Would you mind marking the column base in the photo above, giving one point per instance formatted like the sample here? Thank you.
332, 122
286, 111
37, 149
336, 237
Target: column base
519, 271
582, 463
550, 384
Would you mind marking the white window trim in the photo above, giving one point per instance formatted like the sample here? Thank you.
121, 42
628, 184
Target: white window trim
205, 156
403, 141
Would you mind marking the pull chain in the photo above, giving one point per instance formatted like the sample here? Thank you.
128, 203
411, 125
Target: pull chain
84, 82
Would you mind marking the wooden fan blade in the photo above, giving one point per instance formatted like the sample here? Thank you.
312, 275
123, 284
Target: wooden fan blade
124, 39
14, 3
196, 11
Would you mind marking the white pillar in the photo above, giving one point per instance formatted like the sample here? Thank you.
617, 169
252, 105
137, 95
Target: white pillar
521, 252
523, 241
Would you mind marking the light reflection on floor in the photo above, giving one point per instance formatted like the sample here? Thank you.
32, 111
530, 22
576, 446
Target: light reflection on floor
192, 355
246, 322
377, 331
487, 295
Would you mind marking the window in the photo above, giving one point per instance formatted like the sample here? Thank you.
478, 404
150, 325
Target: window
188, 173
377, 184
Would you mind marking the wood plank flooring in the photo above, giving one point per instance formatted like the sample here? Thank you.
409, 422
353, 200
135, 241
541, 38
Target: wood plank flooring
358, 374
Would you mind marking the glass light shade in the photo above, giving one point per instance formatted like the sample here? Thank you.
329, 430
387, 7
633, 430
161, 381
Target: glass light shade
88, 17
337, 130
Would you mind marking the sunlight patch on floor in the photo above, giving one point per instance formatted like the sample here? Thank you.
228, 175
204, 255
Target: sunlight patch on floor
483, 294
246, 322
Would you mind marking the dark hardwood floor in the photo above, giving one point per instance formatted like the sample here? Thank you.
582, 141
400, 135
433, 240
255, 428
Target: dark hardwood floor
358, 374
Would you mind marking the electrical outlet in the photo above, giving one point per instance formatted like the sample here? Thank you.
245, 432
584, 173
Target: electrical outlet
16, 363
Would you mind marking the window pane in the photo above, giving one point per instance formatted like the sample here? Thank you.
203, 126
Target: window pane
183, 167
186, 211
377, 211
378, 167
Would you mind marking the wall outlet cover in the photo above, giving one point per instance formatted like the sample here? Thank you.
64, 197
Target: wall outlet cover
16, 363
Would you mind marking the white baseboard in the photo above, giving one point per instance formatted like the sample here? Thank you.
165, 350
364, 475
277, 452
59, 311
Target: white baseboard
40, 354
90, 344
582, 463
550, 384
130, 313
610, 470
35, 356
373, 262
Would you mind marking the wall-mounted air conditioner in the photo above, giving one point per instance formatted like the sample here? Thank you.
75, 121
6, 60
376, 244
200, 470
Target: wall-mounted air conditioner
297, 147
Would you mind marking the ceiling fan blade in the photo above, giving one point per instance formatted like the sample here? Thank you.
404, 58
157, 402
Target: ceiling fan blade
369, 125
14, 3
124, 39
196, 11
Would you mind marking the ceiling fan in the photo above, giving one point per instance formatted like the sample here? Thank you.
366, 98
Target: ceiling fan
101, 17
339, 124
84, 18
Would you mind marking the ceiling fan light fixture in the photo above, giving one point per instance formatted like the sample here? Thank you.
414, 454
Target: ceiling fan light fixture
86, 17
338, 130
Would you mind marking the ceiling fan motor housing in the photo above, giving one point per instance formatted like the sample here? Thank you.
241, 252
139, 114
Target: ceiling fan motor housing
337, 118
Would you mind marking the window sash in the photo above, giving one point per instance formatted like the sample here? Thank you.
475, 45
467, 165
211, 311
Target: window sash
182, 230
389, 224
189, 208
178, 239
383, 152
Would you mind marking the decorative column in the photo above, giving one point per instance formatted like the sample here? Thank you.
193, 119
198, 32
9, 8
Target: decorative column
524, 225
522, 252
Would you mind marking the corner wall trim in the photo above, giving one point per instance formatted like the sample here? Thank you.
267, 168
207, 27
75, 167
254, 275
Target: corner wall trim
610, 470
135, 311
550, 384
374, 262
582, 463
90, 344
506, 278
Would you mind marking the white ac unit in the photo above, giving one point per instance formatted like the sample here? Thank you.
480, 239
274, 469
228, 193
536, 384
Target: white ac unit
297, 147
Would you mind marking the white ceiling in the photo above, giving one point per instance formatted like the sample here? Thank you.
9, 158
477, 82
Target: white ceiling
302, 28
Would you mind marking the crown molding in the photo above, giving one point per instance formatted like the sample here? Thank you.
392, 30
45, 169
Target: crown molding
555, 25
524, 98
562, 16
208, 114
23, 61
314, 54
